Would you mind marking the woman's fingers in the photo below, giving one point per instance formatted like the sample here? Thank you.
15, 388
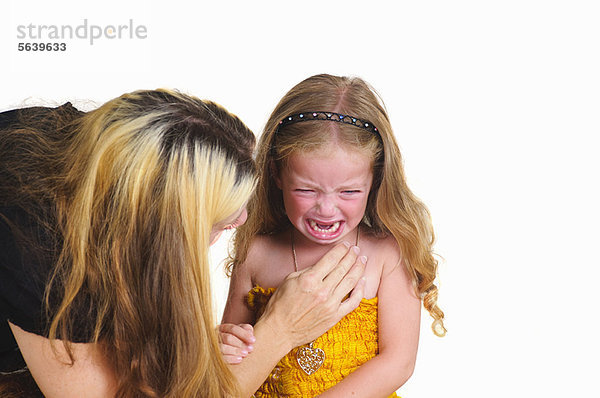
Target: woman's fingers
308, 303
350, 304
340, 255
349, 280
345, 271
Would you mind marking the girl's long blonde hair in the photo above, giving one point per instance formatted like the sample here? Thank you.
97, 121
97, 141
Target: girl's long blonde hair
134, 189
391, 209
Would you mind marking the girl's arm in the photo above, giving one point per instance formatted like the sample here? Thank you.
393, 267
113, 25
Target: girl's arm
236, 311
235, 334
399, 316
89, 376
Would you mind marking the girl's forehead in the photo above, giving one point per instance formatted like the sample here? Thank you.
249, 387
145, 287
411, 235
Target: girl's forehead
333, 149
334, 164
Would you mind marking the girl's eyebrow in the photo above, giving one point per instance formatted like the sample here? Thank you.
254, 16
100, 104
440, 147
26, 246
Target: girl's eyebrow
343, 187
296, 180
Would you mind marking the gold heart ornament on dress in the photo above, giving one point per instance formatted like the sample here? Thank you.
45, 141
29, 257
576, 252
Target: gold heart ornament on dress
310, 359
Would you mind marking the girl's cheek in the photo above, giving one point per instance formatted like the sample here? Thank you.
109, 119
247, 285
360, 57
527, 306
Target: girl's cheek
306, 204
301, 200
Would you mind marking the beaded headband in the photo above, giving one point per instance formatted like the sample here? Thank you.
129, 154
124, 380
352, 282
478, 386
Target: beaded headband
330, 116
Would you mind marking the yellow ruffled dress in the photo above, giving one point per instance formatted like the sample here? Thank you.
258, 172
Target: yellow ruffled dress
349, 344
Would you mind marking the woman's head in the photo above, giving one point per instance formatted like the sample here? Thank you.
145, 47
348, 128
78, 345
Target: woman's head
149, 178
134, 148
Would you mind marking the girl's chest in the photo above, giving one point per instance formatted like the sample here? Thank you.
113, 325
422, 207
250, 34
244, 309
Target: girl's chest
280, 263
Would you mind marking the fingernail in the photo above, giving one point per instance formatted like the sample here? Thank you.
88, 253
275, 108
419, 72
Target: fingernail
356, 249
346, 244
250, 348
363, 259
253, 339
244, 353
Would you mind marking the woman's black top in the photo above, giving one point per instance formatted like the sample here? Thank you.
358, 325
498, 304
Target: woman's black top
27, 256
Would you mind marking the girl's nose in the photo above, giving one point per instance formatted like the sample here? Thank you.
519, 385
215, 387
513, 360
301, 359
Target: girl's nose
326, 206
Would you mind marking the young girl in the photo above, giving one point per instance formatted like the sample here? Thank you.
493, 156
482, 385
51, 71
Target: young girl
330, 170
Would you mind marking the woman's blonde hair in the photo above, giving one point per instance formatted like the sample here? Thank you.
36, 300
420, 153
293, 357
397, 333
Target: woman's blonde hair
391, 209
135, 188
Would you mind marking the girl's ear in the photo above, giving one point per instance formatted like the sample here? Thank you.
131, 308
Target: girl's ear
275, 173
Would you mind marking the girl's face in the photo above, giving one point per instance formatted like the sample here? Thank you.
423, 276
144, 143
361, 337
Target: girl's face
325, 191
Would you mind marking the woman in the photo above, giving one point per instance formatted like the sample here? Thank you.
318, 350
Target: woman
106, 218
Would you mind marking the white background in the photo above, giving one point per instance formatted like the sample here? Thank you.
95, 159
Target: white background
496, 109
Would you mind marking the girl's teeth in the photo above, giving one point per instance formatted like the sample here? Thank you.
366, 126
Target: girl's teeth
329, 228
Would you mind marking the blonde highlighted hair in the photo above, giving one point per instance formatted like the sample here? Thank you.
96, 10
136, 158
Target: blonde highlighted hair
392, 208
135, 188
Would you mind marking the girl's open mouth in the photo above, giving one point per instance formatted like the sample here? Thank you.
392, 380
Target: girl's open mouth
325, 230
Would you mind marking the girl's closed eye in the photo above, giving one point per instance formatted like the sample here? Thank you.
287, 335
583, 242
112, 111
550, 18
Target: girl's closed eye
303, 191
351, 193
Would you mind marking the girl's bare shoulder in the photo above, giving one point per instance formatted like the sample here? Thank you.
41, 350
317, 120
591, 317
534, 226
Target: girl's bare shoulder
383, 255
383, 247
263, 246
268, 259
